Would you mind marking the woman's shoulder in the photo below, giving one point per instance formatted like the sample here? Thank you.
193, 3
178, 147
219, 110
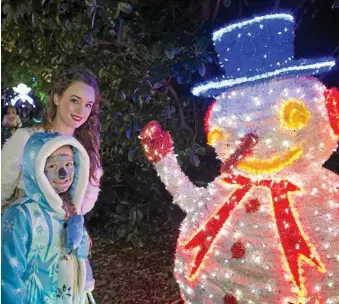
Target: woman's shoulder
16, 142
30, 130
21, 136
25, 132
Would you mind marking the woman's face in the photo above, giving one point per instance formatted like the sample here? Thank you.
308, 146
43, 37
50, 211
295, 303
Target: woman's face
75, 105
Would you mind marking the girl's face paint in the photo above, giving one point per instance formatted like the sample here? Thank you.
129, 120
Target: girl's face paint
59, 169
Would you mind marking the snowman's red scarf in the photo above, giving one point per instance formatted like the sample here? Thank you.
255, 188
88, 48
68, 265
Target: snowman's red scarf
294, 242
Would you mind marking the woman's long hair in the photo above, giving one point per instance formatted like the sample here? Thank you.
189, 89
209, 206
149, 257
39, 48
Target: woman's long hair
89, 133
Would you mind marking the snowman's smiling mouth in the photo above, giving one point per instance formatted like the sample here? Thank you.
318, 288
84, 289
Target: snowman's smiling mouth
242, 158
270, 165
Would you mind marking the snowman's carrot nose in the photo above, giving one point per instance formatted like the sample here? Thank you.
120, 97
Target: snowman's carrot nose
249, 141
246, 145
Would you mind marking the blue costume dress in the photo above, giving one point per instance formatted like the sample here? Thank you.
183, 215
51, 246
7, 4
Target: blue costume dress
44, 258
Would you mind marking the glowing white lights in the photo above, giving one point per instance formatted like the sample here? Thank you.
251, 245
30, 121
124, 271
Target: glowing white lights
220, 256
22, 90
232, 82
219, 33
260, 262
286, 144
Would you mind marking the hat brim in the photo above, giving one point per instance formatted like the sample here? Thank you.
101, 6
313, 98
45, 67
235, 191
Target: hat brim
301, 67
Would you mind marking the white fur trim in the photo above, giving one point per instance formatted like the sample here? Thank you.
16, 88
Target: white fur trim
52, 197
227, 83
82, 276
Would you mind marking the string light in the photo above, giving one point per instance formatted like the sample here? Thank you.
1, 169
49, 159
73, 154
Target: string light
224, 84
22, 90
248, 236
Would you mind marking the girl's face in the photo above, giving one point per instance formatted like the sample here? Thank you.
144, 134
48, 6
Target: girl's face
59, 169
11, 112
75, 105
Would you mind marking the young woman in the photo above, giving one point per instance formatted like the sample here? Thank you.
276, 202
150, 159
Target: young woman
73, 109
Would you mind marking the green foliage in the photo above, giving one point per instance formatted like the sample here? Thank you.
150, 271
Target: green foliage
146, 54
142, 51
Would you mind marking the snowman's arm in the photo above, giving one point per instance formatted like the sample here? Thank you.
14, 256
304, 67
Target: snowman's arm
185, 194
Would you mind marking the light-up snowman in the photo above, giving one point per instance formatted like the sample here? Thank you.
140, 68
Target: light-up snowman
267, 229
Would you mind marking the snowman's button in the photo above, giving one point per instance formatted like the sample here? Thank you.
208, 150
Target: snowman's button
238, 250
229, 299
252, 206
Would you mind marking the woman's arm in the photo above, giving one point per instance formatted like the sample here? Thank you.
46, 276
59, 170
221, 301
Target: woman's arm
11, 163
15, 239
92, 193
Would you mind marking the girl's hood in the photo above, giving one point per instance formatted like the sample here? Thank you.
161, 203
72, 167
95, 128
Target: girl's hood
36, 185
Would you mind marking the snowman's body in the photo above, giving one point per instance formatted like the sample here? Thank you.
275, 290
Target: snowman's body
257, 272
267, 229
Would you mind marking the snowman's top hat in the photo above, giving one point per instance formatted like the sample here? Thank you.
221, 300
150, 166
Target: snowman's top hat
256, 50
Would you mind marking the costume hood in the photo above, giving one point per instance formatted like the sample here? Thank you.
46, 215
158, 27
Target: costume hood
36, 185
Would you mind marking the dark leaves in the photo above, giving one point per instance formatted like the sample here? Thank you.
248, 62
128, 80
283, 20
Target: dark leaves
202, 45
227, 3
131, 155
171, 50
194, 159
129, 133
202, 70
125, 7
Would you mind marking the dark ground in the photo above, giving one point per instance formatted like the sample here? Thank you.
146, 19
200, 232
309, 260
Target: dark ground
125, 274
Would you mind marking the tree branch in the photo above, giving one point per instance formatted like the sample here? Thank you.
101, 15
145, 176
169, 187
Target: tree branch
304, 4
183, 123
300, 6
195, 122
120, 31
276, 4
216, 10
335, 50
205, 9
240, 9
114, 43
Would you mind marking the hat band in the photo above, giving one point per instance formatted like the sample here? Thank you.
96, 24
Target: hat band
231, 82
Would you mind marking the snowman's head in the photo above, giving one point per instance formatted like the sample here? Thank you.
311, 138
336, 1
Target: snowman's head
288, 117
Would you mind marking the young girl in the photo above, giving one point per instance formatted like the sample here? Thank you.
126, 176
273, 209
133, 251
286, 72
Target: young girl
11, 121
44, 243
73, 110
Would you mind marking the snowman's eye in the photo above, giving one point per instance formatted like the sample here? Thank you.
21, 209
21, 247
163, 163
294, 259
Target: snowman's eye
294, 114
215, 136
